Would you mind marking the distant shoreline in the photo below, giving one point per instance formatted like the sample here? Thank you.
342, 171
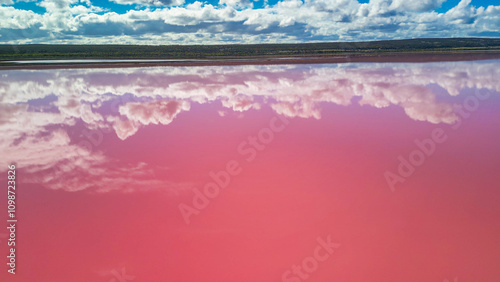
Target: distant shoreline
395, 57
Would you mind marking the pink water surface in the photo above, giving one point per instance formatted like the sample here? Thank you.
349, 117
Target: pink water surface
114, 207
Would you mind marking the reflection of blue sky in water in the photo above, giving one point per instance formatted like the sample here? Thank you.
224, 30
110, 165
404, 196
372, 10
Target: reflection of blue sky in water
38, 107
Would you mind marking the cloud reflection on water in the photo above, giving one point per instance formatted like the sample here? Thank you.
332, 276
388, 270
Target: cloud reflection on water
39, 107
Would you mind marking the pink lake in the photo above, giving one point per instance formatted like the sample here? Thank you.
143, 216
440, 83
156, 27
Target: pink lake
343, 172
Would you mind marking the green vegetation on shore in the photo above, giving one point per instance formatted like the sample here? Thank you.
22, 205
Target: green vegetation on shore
42, 51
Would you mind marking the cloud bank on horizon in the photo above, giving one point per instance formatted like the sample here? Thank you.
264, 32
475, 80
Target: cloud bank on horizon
242, 21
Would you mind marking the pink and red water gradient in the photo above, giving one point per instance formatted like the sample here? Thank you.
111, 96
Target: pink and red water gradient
110, 211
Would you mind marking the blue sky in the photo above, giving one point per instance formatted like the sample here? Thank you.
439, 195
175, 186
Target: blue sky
242, 21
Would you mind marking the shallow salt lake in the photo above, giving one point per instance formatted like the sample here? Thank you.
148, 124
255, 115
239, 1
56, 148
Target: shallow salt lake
328, 172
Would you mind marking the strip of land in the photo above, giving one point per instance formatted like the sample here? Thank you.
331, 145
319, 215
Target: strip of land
412, 50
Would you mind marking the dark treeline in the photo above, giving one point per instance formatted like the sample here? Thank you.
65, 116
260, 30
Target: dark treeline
49, 51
